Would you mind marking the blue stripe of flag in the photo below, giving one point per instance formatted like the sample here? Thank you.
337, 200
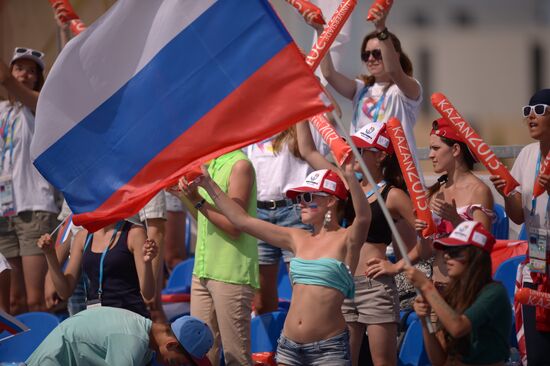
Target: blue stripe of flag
194, 72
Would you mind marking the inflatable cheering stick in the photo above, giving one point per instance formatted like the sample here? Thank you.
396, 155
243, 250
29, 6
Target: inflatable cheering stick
322, 45
527, 296
340, 149
477, 146
538, 189
383, 6
418, 194
309, 11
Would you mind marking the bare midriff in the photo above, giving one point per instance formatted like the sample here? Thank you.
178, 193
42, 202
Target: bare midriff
315, 314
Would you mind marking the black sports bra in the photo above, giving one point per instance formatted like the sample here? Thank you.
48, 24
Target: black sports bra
379, 231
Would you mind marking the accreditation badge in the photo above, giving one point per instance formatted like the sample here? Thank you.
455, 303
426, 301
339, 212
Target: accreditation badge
7, 201
538, 247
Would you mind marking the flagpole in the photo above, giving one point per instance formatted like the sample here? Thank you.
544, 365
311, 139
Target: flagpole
398, 239
58, 226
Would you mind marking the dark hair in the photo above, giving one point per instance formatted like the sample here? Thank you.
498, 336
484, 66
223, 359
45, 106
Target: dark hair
391, 171
404, 60
461, 292
466, 155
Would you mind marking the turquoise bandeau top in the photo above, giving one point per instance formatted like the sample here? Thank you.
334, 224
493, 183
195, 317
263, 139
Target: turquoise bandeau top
327, 272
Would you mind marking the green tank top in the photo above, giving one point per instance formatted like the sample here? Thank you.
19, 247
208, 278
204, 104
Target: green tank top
217, 256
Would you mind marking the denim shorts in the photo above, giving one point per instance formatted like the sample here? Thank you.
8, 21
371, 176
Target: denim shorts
334, 351
288, 216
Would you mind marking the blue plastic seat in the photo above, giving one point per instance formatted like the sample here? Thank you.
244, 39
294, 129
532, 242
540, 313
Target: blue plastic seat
265, 330
506, 273
20, 347
412, 352
284, 288
180, 279
501, 226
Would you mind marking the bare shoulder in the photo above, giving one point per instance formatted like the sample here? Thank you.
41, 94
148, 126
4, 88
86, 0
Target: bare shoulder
242, 167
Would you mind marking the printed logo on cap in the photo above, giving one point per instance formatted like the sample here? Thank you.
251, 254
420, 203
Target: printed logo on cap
466, 233
463, 231
314, 179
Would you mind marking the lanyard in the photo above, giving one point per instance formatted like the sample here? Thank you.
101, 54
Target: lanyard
5, 130
534, 199
103, 255
379, 185
377, 108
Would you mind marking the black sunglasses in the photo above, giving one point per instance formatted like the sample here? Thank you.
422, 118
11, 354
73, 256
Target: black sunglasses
376, 54
455, 252
539, 109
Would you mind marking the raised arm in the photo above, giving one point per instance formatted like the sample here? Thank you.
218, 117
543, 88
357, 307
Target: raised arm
279, 236
64, 282
19, 91
392, 66
308, 150
358, 230
241, 181
144, 251
341, 83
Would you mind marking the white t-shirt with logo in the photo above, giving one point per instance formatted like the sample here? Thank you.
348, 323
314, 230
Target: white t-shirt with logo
524, 171
378, 105
31, 191
277, 173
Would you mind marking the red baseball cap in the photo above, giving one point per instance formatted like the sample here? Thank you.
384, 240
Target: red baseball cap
442, 128
373, 135
324, 180
468, 233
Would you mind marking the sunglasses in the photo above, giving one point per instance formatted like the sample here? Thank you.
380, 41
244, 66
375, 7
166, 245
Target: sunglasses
307, 197
376, 54
363, 149
539, 109
29, 51
456, 253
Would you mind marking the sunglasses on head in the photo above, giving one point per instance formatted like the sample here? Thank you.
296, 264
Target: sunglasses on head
28, 51
307, 197
455, 252
376, 54
539, 109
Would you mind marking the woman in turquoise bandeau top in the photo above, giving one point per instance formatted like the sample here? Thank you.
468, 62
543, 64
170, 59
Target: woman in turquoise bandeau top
322, 270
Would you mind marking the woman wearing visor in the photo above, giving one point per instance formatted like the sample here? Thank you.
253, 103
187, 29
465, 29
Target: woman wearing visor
315, 332
26, 198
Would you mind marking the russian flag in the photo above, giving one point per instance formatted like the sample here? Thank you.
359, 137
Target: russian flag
11, 324
153, 87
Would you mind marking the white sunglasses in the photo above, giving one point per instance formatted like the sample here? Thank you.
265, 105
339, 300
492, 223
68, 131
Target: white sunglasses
539, 109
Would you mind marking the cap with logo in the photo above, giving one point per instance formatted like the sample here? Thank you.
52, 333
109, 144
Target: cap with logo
324, 180
29, 54
468, 233
195, 336
373, 135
